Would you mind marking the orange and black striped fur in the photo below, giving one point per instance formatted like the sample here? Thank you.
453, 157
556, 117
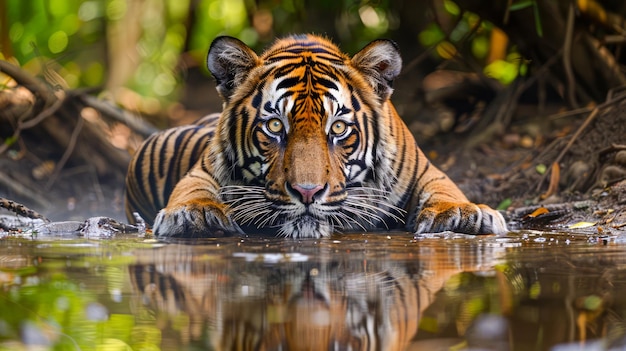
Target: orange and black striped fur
308, 144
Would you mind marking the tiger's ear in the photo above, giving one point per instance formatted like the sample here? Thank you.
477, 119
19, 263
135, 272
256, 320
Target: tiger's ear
229, 61
380, 63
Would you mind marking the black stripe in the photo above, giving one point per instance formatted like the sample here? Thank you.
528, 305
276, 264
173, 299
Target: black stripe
256, 101
355, 103
163, 152
327, 83
186, 136
199, 146
374, 134
174, 168
336, 193
137, 169
400, 162
152, 181
288, 82
423, 187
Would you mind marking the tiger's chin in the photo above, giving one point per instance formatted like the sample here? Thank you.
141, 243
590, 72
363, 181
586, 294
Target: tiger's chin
305, 227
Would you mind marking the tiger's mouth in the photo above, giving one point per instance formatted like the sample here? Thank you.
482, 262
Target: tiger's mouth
301, 227
250, 208
363, 209
305, 226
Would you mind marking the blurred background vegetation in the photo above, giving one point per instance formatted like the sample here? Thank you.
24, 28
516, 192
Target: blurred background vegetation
138, 52
494, 77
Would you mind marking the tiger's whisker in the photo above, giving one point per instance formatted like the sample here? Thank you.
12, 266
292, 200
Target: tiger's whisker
361, 214
373, 209
347, 220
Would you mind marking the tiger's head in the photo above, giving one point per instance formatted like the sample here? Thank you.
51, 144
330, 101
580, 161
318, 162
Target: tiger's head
300, 145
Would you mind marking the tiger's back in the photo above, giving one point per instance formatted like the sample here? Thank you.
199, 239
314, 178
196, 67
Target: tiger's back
161, 161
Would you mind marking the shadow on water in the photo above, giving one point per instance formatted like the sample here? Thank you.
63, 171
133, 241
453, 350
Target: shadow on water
526, 291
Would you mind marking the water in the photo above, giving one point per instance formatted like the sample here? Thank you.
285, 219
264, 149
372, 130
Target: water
526, 291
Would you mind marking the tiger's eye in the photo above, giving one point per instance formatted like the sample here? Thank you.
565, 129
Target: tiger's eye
274, 125
339, 127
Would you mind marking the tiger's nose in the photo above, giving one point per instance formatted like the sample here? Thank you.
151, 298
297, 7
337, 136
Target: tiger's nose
308, 192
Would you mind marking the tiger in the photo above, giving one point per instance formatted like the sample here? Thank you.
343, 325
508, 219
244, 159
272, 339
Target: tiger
308, 144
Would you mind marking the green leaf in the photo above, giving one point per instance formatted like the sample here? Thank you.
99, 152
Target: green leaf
534, 291
521, 5
592, 303
580, 225
504, 204
10, 141
451, 7
431, 35
541, 168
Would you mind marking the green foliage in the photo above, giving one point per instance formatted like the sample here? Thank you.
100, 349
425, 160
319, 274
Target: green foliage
506, 70
55, 29
474, 38
432, 35
215, 17
10, 141
139, 44
504, 204
159, 45
142, 45
77, 39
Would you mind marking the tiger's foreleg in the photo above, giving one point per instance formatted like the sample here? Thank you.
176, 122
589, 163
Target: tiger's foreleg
461, 217
443, 207
194, 208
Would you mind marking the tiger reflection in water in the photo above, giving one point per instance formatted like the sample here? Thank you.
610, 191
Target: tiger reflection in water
339, 305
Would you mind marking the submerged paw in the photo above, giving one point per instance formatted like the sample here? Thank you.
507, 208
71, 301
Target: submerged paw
468, 218
193, 220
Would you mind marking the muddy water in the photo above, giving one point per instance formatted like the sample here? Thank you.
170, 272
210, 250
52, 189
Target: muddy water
526, 291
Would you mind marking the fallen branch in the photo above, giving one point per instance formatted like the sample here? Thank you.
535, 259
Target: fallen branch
135, 123
570, 113
45, 113
20, 209
24, 79
51, 102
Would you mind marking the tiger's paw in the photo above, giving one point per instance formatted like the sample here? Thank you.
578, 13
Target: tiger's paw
468, 218
193, 220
